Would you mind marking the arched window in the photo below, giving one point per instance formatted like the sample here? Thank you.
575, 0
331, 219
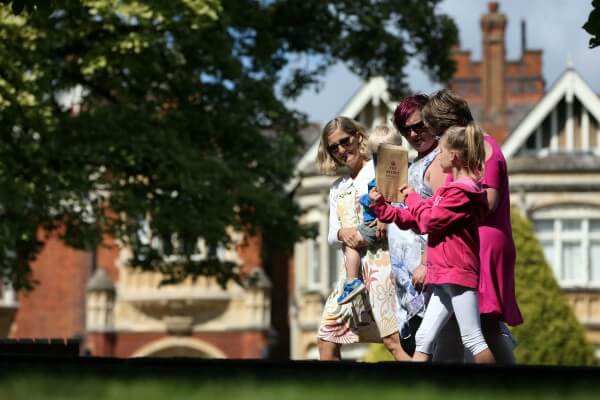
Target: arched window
179, 347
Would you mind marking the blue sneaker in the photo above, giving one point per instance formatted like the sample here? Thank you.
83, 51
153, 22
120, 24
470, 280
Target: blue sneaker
351, 289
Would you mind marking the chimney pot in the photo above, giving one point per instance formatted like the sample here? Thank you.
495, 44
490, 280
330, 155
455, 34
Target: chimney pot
493, 6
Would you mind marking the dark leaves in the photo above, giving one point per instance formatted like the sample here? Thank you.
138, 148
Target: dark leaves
162, 123
592, 26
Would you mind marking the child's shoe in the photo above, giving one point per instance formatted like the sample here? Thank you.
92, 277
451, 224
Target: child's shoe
351, 289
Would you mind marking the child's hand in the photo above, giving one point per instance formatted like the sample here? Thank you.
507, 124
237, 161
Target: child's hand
374, 195
418, 277
401, 195
405, 190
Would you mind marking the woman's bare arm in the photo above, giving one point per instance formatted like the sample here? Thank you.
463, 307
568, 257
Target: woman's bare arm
434, 176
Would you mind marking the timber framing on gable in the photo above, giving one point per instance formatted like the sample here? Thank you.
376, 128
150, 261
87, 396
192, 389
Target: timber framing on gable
569, 101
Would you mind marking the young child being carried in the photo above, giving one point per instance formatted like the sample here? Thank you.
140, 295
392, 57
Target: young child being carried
450, 218
368, 228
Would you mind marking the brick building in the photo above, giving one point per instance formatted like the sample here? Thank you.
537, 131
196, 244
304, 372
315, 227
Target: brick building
119, 311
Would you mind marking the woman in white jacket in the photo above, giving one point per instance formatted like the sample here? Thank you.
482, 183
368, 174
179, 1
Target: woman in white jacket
370, 318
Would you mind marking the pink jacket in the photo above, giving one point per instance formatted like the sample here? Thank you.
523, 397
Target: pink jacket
450, 218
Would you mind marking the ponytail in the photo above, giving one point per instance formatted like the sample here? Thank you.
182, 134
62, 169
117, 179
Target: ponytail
468, 141
475, 157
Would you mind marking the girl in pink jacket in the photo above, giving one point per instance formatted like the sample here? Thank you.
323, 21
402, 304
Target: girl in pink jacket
450, 218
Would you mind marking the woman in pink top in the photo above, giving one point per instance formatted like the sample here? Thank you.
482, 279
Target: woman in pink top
451, 220
497, 300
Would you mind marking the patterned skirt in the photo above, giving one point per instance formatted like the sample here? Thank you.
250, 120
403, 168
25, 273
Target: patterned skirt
370, 316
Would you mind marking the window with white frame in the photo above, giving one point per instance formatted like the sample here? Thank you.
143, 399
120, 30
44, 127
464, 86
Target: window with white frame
319, 264
313, 258
7, 294
570, 238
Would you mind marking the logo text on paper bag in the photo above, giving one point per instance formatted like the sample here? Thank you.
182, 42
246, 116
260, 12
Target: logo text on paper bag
391, 171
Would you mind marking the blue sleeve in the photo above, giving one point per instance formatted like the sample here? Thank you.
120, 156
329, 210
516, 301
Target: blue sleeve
364, 201
368, 214
372, 184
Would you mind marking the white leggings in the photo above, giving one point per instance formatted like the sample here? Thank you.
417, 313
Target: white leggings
445, 300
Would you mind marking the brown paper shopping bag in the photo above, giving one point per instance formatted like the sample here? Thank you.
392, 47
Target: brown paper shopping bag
392, 171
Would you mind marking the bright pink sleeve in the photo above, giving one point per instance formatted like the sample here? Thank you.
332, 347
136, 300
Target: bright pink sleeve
439, 212
400, 216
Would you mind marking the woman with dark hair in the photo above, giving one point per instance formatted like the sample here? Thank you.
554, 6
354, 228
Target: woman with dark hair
496, 292
407, 248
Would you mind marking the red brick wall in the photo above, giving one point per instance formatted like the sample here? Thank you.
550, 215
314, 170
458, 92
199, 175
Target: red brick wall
106, 257
100, 344
56, 306
530, 64
465, 67
239, 344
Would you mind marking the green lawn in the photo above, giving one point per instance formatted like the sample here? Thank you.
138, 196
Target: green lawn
25, 386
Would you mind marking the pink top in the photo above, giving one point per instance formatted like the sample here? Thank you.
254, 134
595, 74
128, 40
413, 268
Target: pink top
450, 218
497, 251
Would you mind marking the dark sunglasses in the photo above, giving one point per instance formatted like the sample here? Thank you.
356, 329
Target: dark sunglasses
418, 128
346, 142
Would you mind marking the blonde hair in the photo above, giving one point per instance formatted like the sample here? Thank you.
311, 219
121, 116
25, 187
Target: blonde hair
445, 109
327, 163
468, 141
382, 134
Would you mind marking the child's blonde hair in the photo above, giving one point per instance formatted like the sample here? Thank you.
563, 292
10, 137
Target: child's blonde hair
382, 134
468, 141
327, 163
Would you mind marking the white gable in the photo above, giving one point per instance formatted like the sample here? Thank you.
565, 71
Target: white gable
570, 87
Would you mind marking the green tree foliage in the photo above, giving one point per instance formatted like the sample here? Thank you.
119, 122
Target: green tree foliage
592, 26
164, 122
18, 6
551, 333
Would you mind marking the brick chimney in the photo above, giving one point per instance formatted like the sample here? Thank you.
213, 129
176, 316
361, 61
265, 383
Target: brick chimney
499, 91
493, 26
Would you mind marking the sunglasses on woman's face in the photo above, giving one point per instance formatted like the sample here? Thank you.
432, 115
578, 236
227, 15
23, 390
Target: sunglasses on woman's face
334, 148
417, 128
